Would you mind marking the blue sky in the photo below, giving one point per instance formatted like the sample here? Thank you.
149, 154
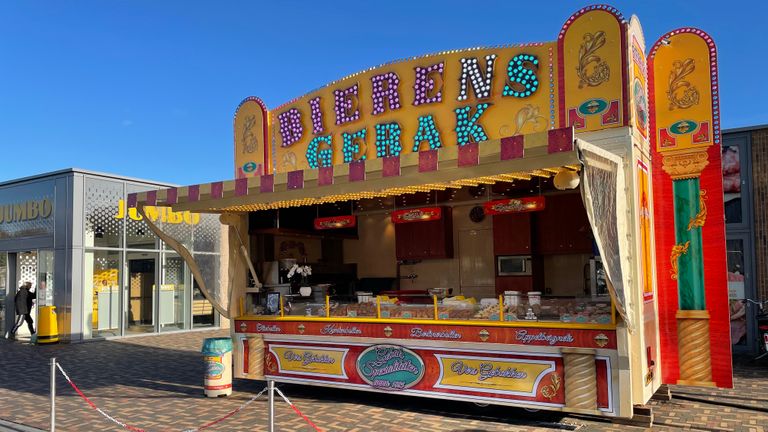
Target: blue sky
148, 88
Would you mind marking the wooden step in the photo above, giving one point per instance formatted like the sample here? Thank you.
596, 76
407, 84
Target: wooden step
642, 417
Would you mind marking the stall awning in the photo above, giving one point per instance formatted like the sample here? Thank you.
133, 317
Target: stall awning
519, 157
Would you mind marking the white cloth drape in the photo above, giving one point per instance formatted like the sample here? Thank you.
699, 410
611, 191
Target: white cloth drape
604, 195
206, 268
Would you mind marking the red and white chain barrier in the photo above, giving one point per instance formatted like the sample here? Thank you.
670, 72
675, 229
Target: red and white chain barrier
136, 429
306, 419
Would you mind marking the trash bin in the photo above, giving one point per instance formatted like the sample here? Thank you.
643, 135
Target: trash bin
217, 354
47, 327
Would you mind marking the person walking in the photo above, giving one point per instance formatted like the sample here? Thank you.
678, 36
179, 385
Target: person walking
24, 300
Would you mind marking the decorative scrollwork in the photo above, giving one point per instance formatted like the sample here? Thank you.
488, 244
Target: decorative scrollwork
685, 165
700, 218
249, 137
681, 93
289, 161
271, 366
677, 251
599, 72
550, 391
529, 113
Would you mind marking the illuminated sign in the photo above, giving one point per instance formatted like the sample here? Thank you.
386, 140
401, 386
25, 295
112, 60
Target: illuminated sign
423, 214
26, 211
445, 99
515, 205
439, 100
163, 214
335, 222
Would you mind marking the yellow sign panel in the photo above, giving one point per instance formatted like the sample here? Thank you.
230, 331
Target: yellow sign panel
592, 48
682, 88
646, 260
434, 101
320, 362
252, 142
517, 377
638, 80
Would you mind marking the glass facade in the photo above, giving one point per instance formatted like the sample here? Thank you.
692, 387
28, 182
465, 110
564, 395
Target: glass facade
732, 184
203, 314
98, 262
103, 218
174, 294
134, 283
45, 281
737, 172
736, 293
4, 295
101, 293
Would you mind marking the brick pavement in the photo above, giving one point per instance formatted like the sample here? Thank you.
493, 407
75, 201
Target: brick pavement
154, 382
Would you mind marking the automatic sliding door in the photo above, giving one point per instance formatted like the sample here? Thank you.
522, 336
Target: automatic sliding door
26, 271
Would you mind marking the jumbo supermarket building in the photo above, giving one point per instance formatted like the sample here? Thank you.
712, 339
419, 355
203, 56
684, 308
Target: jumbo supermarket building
72, 235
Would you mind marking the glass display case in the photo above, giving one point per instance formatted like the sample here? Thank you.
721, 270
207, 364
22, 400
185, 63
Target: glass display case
532, 307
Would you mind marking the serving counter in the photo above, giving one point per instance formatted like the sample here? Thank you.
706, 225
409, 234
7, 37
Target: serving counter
443, 350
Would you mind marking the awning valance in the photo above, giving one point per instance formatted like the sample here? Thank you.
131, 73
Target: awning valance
514, 158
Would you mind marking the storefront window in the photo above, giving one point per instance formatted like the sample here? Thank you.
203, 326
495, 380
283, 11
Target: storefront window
732, 184
103, 215
174, 294
203, 314
736, 293
207, 234
177, 225
101, 294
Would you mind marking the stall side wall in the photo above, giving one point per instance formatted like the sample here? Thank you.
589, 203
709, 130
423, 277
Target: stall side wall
648, 377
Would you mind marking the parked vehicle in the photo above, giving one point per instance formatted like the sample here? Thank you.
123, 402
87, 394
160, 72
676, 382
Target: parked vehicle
762, 325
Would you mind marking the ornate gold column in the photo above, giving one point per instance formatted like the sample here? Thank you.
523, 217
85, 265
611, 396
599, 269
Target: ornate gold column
687, 260
255, 356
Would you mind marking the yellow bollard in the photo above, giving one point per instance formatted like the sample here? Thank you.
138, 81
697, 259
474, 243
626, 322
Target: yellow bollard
47, 327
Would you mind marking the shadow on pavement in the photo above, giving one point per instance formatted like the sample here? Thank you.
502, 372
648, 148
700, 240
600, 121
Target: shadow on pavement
97, 365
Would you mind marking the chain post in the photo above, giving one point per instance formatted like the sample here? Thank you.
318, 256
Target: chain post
271, 396
53, 394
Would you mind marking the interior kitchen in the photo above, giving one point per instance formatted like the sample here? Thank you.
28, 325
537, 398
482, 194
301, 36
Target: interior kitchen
472, 243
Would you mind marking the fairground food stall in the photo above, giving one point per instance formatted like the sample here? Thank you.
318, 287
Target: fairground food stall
524, 225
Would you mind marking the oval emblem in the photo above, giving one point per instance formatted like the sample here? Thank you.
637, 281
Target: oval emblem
249, 167
593, 106
683, 127
390, 367
641, 104
214, 368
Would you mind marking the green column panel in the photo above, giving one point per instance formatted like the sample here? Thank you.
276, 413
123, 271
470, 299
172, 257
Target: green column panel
690, 276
